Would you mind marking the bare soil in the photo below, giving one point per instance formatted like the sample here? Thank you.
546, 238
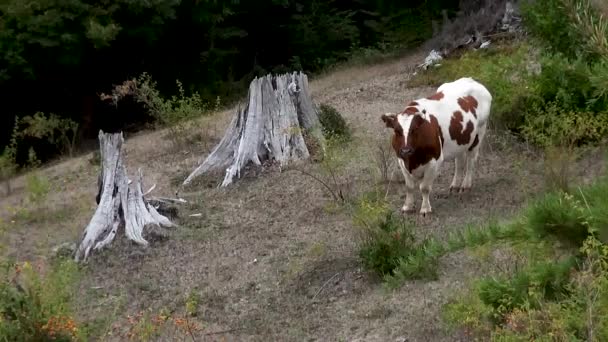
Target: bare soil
273, 258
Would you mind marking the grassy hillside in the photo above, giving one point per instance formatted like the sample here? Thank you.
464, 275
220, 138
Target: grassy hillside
276, 256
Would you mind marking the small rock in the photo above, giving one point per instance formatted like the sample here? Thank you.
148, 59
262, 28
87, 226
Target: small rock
401, 339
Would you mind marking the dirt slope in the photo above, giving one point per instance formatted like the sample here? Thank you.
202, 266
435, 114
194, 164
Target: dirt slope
271, 258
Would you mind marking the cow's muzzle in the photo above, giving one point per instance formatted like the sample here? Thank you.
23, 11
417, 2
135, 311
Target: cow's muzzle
406, 152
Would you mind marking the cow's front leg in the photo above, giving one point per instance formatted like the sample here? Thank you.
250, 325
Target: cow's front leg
408, 206
426, 186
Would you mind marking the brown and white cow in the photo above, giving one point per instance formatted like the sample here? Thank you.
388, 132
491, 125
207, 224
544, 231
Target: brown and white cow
450, 124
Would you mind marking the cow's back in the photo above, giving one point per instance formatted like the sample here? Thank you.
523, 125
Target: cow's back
459, 120
467, 86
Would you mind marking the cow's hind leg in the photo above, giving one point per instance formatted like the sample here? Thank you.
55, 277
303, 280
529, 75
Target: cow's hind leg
459, 166
472, 156
410, 184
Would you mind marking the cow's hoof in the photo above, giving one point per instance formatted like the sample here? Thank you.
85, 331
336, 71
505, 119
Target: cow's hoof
425, 213
424, 218
407, 211
464, 190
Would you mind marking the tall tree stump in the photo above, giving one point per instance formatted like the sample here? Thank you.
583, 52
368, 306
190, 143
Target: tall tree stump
121, 203
270, 127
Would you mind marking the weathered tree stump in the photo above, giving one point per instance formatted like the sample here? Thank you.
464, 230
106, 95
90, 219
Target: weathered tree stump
270, 127
121, 203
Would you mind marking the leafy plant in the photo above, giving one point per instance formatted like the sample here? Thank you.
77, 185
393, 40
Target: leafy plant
58, 131
36, 307
332, 123
552, 297
387, 244
173, 113
37, 187
8, 158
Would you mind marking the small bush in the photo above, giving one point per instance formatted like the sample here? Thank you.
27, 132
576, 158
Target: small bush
173, 113
8, 158
548, 20
332, 122
551, 125
565, 81
571, 217
547, 302
388, 246
60, 132
528, 288
36, 307
392, 240
37, 187
563, 298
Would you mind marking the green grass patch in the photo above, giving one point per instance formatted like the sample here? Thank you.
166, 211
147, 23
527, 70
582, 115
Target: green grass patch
561, 292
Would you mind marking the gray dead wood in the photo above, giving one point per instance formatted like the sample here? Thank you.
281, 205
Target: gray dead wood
269, 128
121, 203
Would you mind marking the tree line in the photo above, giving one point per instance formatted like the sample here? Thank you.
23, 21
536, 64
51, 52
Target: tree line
57, 56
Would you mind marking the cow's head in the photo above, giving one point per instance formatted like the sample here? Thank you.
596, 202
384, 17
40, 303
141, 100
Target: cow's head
406, 127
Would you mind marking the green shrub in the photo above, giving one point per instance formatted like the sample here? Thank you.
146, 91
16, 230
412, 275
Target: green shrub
34, 307
60, 132
571, 217
173, 113
8, 158
574, 28
388, 246
37, 187
565, 81
527, 288
559, 296
549, 21
551, 125
391, 240
332, 123
547, 302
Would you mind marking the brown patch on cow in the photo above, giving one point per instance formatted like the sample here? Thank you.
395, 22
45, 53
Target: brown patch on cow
468, 104
437, 96
456, 133
436, 126
424, 137
410, 110
413, 103
475, 142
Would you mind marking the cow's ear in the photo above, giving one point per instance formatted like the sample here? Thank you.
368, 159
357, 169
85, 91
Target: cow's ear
389, 120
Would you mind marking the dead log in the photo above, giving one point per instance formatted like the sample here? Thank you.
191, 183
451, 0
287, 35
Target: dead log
121, 202
269, 128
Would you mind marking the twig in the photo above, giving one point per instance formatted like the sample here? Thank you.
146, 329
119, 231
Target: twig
584, 199
333, 194
190, 332
322, 287
222, 331
171, 200
150, 190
